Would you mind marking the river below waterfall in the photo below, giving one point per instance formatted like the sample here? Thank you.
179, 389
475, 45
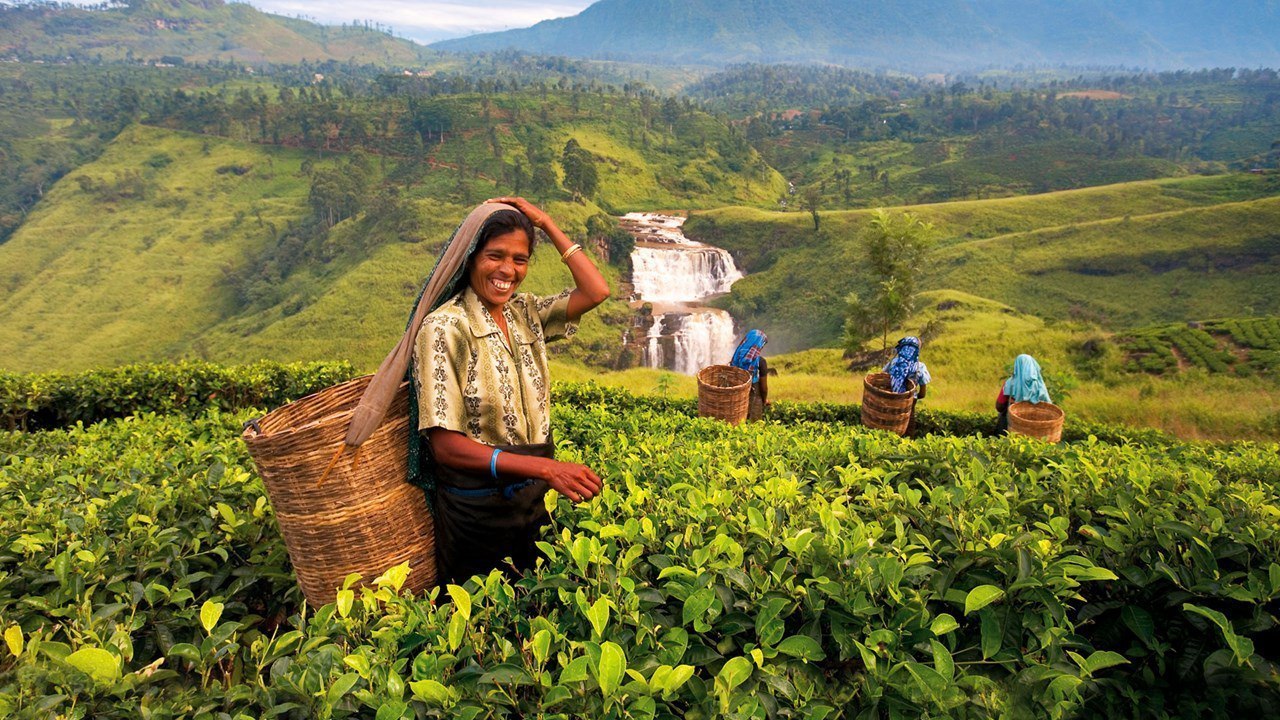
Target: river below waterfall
674, 276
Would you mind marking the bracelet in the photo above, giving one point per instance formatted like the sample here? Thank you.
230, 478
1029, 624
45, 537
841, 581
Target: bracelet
493, 463
569, 251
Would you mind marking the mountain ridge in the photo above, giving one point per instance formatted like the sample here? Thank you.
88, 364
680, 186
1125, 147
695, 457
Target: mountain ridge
942, 34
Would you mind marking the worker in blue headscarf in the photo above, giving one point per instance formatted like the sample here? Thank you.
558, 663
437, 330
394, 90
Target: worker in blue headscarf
748, 357
1026, 384
905, 368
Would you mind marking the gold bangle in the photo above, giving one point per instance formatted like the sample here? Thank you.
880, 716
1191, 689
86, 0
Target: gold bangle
569, 251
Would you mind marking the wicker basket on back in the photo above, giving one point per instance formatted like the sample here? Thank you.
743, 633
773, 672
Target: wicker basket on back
884, 409
724, 392
364, 517
1037, 420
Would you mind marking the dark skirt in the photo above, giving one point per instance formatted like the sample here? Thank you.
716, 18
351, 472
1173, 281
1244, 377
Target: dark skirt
755, 404
481, 521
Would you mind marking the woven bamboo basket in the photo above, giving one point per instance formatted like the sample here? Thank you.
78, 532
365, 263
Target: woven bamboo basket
884, 409
724, 392
1037, 420
364, 517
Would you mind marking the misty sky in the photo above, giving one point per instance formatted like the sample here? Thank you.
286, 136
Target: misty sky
429, 20
423, 20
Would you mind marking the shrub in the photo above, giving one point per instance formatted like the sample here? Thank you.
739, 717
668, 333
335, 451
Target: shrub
805, 570
51, 400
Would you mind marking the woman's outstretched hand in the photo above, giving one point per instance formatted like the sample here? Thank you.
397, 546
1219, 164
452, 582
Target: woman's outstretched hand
531, 211
577, 482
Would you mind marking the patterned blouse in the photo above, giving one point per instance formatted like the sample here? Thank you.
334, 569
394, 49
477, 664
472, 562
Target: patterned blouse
471, 382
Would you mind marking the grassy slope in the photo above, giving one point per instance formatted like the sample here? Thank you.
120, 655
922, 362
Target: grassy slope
153, 274
949, 166
666, 166
90, 281
1182, 264
361, 312
795, 295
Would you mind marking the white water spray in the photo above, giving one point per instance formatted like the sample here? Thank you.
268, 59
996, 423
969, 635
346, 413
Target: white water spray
675, 272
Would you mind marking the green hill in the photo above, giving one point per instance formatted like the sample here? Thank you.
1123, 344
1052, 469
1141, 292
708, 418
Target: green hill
134, 263
181, 245
1086, 257
194, 30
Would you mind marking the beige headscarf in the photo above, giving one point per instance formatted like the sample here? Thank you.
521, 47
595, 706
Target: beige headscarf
441, 285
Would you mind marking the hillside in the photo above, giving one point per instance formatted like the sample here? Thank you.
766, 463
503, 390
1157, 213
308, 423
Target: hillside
194, 30
213, 248
942, 36
866, 140
151, 279
1210, 242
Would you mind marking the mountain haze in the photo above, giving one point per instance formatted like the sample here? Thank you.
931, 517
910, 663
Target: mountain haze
195, 30
910, 34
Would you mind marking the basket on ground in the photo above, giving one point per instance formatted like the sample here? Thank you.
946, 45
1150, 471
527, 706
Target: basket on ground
364, 517
723, 392
884, 409
1037, 420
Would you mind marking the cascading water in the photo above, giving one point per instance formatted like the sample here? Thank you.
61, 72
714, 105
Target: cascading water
674, 273
682, 275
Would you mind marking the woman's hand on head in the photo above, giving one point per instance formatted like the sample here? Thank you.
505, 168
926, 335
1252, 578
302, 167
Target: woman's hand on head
577, 482
538, 217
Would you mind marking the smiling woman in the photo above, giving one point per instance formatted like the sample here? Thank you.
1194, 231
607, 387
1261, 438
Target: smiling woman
480, 378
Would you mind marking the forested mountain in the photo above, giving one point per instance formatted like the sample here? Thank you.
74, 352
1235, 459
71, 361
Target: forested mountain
193, 30
936, 35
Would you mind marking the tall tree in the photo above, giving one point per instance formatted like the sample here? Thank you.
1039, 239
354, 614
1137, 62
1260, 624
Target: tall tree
811, 200
897, 246
580, 175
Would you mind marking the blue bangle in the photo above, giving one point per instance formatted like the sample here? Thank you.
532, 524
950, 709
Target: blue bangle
493, 463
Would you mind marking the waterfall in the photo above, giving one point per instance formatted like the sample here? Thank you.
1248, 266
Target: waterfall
680, 274
674, 273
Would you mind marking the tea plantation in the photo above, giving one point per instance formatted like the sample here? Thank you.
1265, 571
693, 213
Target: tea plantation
801, 568
1245, 346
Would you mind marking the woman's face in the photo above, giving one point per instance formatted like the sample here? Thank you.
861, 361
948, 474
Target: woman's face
496, 271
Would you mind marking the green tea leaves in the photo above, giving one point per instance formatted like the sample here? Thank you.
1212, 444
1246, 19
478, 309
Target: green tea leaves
97, 663
13, 638
980, 597
210, 613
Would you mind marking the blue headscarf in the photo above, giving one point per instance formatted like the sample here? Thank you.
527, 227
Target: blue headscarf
1026, 384
907, 366
747, 356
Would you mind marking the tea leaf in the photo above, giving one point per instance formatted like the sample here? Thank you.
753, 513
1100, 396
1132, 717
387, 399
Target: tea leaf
13, 638
612, 666
980, 597
99, 664
210, 613
461, 600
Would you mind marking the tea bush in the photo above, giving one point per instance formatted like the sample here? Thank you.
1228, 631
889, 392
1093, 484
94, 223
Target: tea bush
39, 401
1241, 345
53, 400
800, 570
